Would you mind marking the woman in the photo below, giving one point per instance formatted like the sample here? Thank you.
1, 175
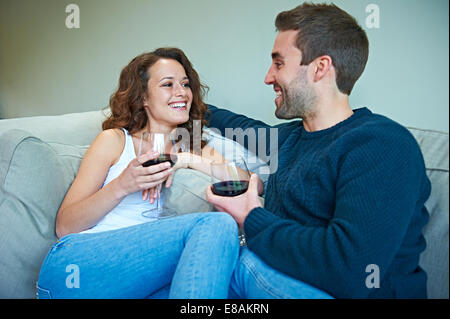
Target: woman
107, 249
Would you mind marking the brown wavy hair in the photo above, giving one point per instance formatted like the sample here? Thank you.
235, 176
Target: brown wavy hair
127, 103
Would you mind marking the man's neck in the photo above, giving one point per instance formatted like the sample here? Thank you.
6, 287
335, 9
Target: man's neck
328, 113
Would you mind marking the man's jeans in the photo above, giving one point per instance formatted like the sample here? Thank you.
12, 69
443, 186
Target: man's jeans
196, 253
254, 279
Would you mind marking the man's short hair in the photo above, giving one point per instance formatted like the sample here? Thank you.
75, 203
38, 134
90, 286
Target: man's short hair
328, 30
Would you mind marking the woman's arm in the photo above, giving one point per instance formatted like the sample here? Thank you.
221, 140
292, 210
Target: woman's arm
86, 202
203, 164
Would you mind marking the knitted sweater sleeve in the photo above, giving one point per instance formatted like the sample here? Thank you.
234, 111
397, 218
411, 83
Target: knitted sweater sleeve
381, 185
267, 138
222, 119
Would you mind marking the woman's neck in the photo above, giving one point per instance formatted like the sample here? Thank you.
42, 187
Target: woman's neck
158, 128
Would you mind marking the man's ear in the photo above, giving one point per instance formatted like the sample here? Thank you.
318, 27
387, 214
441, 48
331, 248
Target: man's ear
322, 66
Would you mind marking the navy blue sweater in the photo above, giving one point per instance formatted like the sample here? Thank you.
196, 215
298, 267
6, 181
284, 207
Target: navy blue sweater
344, 203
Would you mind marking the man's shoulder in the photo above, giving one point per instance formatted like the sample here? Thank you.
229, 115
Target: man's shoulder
377, 135
380, 127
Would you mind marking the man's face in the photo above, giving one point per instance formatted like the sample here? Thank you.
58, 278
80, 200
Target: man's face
295, 95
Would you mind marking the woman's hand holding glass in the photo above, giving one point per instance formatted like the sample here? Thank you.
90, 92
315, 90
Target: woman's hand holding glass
139, 178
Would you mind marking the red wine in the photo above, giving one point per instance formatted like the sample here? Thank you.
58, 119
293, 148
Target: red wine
161, 159
230, 188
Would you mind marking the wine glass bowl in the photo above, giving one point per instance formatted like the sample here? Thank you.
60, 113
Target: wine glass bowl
162, 158
233, 178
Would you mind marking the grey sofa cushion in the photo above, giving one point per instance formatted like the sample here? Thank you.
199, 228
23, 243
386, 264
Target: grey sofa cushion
34, 177
187, 193
73, 128
434, 259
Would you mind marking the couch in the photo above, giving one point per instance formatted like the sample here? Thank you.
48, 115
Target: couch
40, 156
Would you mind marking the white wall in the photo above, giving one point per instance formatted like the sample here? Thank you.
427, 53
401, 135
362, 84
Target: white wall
46, 68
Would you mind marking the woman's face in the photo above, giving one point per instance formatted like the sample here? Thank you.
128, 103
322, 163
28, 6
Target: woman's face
169, 95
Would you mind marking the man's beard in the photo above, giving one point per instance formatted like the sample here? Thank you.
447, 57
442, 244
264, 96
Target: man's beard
298, 99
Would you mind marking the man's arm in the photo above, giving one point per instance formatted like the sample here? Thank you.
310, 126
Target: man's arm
222, 119
256, 136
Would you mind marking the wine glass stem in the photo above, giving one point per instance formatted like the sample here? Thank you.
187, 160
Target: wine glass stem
158, 197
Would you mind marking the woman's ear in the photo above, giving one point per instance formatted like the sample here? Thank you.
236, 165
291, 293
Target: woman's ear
145, 101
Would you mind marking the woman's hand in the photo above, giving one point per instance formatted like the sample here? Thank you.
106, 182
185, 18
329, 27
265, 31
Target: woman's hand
184, 160
137, 177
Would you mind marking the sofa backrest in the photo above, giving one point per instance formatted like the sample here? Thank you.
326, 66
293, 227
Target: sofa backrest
72, 129
434, 259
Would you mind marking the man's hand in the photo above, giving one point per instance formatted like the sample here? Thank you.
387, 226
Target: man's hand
239, 206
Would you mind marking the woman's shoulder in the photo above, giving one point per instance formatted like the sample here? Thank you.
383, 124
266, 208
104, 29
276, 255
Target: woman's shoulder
113, 133
109, 143
111, 137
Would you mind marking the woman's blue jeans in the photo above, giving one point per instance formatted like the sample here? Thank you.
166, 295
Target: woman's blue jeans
196, 253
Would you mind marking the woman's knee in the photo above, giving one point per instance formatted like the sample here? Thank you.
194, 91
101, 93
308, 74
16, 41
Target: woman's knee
221, 221
217, 225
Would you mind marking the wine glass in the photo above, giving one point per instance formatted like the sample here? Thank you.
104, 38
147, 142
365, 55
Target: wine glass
233, 177
163, 144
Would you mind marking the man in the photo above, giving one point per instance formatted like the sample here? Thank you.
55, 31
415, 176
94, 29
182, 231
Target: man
344, 212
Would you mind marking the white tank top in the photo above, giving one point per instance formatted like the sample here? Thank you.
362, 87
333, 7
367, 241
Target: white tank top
128, 211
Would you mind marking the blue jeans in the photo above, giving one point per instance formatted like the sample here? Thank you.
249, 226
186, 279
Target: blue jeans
196, 253
254, 279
